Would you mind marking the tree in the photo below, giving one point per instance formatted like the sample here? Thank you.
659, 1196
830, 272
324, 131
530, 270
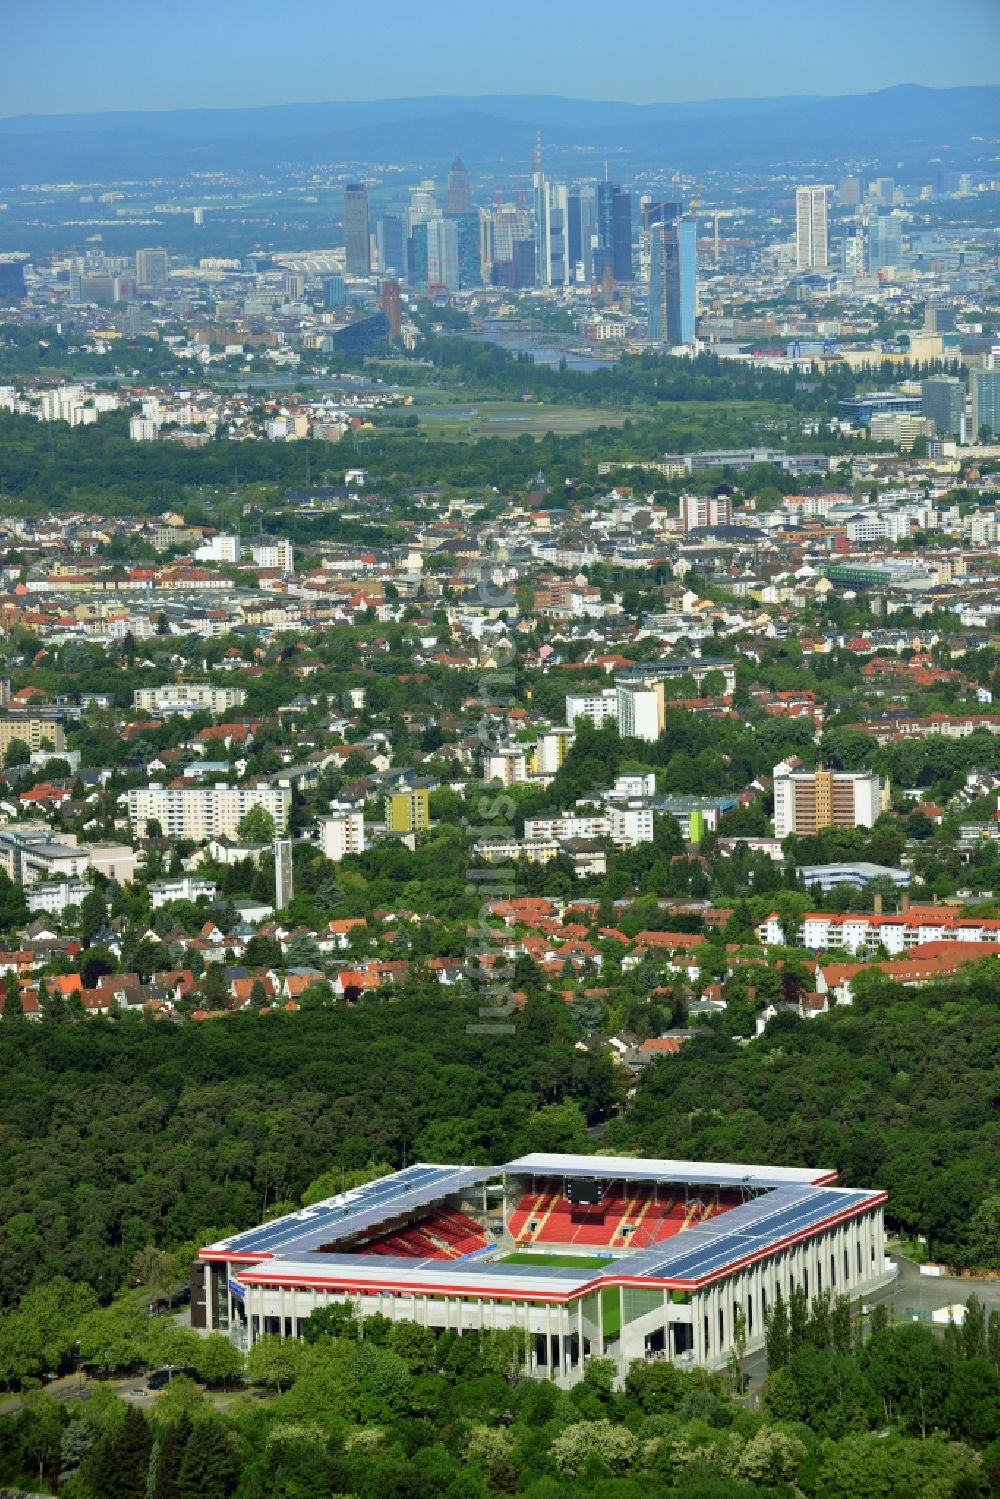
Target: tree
18, 753
615, 1446
303, 952
13, 904
77, 1439
379, 1381
739, 1349
43, 1420
167, 1342
776, 1333
93, 915
130, 1453
13, 1008
51, 1004
338, 1320
169, 1456
156, 1270
274, 1361
256, 826
216, 1360
214, 988
111, 1337
798, 1319
876, 1467
208, 1467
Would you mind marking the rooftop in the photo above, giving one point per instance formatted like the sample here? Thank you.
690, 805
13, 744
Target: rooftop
782, 1205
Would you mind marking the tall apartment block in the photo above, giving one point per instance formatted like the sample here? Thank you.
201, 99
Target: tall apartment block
200, 812
807, 800
408, 811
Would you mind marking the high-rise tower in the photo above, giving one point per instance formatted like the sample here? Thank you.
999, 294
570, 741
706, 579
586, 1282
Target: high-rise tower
810, 228
357, 234
614, 232
459, 188
673, 274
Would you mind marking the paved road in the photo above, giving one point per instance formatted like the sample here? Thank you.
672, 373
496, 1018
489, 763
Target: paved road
914, 1294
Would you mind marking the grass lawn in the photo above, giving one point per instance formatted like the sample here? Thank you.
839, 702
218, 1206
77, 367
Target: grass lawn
574, 1261
611, 1312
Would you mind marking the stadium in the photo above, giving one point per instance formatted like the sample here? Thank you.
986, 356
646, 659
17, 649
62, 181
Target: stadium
589, 1255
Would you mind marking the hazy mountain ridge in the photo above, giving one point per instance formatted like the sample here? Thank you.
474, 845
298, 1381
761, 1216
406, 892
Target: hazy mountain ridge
102, 146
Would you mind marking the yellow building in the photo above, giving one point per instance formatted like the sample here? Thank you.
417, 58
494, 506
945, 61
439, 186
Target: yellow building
408, 811
32, 731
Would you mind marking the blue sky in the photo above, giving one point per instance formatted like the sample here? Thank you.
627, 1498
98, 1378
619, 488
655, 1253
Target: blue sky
69, 55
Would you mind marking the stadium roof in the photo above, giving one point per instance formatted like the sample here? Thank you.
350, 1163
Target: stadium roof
687, 1261
789, 1203
686, 1173
349, 1213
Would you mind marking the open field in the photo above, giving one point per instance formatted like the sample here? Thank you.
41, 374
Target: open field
513, 418
573, 1261
441, 416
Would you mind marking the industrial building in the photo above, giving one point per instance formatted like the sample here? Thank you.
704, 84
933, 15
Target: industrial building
591, 1256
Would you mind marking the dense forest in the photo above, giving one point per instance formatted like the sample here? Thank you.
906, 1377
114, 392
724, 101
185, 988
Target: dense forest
121, 1134
846, 1413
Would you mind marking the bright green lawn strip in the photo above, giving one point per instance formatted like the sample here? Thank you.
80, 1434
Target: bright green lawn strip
574, 1261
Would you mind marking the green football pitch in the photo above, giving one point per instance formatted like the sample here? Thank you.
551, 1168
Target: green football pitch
611, 1305
573, 1261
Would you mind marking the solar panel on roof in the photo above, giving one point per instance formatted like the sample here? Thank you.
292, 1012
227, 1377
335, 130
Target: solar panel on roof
358, 1209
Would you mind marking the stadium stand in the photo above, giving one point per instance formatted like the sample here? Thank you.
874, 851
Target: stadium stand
626, 1216
444, 1235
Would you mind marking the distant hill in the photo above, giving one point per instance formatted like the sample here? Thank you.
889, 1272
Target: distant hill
890, 123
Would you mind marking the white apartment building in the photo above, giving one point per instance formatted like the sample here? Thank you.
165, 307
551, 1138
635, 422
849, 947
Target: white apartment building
31, 853
879, 525
180, 887
273, 551
632, 784
857, 931
343, 832
705, 510
66, 404
221, 548
903, 428
143, 429
188, 697
508, 765
599, 707
201, 812
806, 800
569, 825
630, 824
640, 710
52, 897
